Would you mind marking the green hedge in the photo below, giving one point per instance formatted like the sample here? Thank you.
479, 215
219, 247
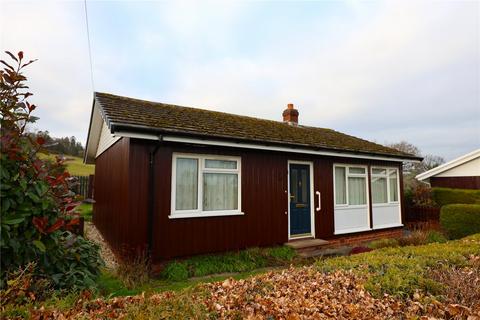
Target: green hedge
444, 196
460, 220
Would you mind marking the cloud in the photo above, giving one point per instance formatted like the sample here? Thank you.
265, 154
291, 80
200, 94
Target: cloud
424, 55
54, 34
384, 71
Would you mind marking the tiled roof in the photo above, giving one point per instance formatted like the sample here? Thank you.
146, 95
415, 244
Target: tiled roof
170, 118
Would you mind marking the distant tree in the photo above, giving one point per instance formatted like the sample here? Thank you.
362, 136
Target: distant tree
407, 147
431, 161
65, 145
412, 169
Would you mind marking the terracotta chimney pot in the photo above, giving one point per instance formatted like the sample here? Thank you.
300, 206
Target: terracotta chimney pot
290, 115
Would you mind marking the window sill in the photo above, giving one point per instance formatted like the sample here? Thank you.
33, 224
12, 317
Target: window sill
205, 214
385, 226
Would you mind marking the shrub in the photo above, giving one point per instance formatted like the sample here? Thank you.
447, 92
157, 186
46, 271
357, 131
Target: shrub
414, 238
444, 196
134, 269
460, 220
460, 284
403, 270
23, 287
383, 243
36, 202
422, 196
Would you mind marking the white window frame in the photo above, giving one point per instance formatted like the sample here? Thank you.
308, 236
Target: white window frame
353, 175
387, 176
199, 213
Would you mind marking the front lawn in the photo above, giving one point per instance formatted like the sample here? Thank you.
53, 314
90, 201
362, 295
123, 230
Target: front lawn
439, 280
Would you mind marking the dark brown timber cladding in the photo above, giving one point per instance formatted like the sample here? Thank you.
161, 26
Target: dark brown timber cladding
119, 211
264, 201
456, 182
264, 181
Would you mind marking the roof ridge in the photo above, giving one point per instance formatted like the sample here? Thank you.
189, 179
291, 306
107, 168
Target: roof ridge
198, 109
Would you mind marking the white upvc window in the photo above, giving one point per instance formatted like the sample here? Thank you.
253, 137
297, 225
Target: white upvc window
205, 186
385, 185
350, 185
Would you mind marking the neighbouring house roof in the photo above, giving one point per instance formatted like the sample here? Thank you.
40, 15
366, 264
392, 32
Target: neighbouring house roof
122, 114
450, 165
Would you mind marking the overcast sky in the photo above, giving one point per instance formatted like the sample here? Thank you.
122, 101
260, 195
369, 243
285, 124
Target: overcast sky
383, 71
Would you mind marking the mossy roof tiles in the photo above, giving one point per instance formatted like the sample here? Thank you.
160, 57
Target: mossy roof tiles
213, 124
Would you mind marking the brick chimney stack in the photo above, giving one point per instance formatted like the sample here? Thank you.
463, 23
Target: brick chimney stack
290, 115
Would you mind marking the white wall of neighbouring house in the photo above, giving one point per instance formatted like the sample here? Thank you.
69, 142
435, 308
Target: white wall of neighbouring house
467, 169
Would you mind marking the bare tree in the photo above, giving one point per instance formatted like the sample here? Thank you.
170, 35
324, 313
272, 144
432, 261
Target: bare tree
411, 169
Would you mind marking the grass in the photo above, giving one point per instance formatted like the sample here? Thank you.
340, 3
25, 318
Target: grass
241, 261
109, 285
75, 165
86, 211
207, 268
401, 271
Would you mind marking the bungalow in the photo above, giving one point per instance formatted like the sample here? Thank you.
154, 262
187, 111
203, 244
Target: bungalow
460, 173
185, 181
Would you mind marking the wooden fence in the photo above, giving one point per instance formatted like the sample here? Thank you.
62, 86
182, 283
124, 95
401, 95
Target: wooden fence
414, 214
83, 186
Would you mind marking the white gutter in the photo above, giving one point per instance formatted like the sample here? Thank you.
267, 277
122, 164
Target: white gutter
256, 146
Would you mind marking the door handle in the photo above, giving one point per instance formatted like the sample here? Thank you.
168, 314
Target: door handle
319, 201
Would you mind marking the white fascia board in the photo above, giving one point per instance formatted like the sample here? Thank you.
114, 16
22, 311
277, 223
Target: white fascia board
449, 165
94, 134
170, 138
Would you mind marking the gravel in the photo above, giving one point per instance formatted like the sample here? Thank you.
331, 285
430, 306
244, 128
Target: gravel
92, 234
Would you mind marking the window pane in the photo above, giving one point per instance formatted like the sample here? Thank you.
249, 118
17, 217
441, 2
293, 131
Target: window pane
393, 186
356, 170
220, 191
379, 190
186, 189
340, 190
305, 187
379, 171
357, 193
220, 164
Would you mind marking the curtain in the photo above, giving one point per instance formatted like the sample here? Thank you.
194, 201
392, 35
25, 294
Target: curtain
393, 186
220, 191
186, 191
379, 190
340, 189
356, 191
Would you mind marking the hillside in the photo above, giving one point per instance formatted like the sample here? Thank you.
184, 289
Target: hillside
75, 165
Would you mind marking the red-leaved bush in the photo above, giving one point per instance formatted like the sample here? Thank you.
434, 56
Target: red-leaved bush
37, 206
